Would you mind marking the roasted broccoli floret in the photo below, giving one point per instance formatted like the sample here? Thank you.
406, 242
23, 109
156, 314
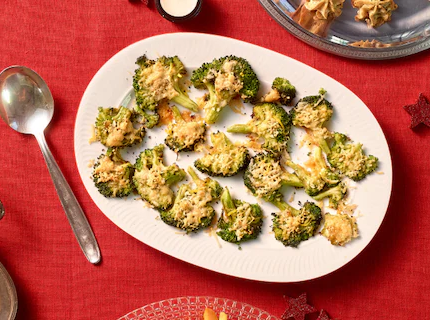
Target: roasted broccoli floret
349, 158
282, 91
149, 119
265, 176
224, 158
312, 113
184, 135
112, 175
334, 194
317, 175
114, 127
157, 80
191, 210
225, 79
321, 168
153, 180
313, 183
270, 122
240, 221
339, 229
292, 226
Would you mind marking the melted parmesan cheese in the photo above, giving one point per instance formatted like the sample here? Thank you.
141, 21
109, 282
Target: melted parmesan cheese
227, 81
212, 233
253, 142
222, 160
272, 96
157, 79
192, 208
244, 218
339, 229
90, 163
187, 132
119, 131
309, 117
346, 208
113, 173
152, 186
268, 128
265, 177
288, 223
93, 137
350, 161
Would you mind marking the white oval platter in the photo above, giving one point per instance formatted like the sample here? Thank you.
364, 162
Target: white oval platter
264, 259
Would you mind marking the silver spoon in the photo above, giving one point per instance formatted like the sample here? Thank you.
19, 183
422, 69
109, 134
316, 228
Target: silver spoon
27, 106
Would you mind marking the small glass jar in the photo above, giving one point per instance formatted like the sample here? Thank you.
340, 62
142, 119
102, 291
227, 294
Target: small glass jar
178, 10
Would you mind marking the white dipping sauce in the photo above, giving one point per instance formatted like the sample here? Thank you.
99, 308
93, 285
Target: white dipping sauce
178, 8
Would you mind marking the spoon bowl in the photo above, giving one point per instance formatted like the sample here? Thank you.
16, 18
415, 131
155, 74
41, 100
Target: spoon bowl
27, 106
26, 101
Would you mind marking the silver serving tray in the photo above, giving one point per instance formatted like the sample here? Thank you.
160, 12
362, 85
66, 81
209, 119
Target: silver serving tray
407, 33
8, 297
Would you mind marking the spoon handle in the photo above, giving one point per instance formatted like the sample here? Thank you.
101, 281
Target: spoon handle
74, 213
1, 210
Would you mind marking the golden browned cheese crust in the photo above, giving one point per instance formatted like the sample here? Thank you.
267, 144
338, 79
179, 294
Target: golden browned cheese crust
339, 229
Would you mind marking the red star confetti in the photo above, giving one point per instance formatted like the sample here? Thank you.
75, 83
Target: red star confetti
323, 316
297, 308
420, 112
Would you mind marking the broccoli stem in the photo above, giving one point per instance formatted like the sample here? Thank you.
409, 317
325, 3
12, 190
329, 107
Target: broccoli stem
319, 158
194, 176
334, 195
227, 201
283, 206
186, 102
324, 145
239, 128
213, 101
212, 107
301, 172
220, 140
155, 158
326, 194
212, 93
211, 116
175, 177
122, 113
177, 114
292, 180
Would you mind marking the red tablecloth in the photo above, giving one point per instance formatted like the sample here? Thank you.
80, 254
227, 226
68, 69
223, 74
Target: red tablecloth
67, 42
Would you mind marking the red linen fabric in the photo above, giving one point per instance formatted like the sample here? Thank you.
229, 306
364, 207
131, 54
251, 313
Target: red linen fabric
66, 42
